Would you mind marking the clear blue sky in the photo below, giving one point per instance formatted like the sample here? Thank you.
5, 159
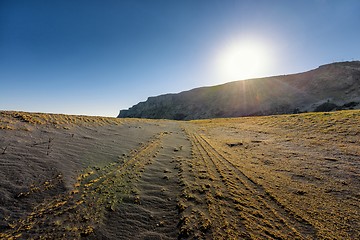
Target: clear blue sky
95, 57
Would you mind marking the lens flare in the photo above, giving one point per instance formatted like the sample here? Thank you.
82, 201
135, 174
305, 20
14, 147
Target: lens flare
243, 60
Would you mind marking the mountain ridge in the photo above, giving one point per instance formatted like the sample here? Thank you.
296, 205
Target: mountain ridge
328, 87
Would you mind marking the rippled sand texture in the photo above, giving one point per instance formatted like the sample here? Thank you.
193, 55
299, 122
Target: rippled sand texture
277, 177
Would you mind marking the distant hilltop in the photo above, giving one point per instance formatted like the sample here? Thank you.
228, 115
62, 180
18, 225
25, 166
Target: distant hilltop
330, 87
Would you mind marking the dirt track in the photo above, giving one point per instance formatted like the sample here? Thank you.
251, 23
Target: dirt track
241, 206
251, 178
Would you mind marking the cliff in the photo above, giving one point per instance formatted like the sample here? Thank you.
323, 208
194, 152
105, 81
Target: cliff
329, 87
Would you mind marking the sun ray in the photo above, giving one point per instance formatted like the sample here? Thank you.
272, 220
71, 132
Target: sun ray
244, 59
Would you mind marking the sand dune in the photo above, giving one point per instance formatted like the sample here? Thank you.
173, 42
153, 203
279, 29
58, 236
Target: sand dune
277, 177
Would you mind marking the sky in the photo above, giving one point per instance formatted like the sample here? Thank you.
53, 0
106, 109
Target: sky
95, 57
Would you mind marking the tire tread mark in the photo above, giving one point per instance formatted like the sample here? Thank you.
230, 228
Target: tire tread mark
230, 230
249, 214
296, 223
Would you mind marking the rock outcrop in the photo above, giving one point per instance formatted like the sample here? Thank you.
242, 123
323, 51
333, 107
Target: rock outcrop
329, 87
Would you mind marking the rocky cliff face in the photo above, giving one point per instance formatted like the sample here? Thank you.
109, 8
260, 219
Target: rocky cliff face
329, 87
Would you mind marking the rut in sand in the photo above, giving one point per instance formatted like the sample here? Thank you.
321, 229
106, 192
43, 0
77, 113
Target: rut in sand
226, 204
134, 197
151, 212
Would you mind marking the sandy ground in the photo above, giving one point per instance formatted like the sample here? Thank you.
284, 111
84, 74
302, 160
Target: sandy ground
278, 177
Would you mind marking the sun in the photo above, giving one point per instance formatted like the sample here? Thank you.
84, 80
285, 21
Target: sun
243, 60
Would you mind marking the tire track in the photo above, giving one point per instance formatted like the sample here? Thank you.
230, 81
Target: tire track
260, 210
251, 212
77, 213
238, 203
224, 212
154, 214
195, 214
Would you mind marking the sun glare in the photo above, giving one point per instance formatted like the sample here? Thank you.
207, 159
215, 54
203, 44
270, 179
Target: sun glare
243, 60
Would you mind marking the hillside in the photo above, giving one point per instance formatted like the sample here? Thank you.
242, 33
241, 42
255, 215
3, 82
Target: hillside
329, 87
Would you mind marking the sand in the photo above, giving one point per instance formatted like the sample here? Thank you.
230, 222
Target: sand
277, 177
